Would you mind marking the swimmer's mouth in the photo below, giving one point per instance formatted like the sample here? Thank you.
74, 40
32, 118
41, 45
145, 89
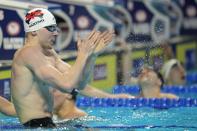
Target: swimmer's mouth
53, 41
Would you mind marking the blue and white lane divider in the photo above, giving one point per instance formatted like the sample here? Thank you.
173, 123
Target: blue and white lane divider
161, 103
133, 89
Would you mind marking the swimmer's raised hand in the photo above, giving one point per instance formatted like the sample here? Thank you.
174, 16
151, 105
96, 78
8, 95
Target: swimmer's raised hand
88, 45
105, 39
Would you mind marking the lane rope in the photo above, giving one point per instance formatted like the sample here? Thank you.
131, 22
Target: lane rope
133, 89
160, 103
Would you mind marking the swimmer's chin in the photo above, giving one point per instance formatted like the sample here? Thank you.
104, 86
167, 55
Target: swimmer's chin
50, 46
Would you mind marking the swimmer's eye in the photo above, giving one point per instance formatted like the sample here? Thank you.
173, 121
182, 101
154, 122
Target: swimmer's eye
52, 28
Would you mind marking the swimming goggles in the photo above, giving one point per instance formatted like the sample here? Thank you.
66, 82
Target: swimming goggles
52, 28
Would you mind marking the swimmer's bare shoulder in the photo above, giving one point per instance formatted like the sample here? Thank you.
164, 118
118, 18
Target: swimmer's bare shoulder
27, 54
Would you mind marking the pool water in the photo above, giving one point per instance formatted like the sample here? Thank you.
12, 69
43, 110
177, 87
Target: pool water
123, 118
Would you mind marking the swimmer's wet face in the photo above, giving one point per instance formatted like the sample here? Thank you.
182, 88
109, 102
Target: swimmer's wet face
38, 18
148, 77
47, 36
173, 72
42, 24
177, 74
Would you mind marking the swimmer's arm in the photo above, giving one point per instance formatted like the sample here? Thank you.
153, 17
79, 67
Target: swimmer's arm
79, 73
55, 78
65, 68
94, 92
6, 107
169, 95
104, 39
49, 73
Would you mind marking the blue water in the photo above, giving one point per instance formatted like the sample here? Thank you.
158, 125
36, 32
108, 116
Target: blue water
123, 118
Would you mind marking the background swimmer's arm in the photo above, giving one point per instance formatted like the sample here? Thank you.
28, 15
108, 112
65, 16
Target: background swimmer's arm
6, 107
93, 92
169, 95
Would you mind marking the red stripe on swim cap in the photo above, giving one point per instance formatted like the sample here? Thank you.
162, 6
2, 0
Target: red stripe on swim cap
32, 15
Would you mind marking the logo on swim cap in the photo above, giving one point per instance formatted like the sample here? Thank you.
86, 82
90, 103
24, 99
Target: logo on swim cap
38, 18
32, 15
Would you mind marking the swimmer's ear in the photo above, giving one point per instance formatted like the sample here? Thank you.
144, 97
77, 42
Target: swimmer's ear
33, 33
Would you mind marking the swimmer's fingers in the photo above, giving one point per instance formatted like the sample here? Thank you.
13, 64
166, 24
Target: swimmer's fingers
105, 39
79, 42
89, 44
91, 34
108, 36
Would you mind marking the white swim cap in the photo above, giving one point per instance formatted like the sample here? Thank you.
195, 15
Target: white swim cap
38, 18
167, 67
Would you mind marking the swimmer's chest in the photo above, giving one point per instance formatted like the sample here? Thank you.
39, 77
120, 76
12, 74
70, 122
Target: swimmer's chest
51, 60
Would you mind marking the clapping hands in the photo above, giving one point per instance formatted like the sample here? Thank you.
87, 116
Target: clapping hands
95, 42
105, 39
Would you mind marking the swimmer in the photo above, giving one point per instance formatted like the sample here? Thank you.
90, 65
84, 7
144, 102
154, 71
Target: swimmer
150, 83
37, 69
173, 72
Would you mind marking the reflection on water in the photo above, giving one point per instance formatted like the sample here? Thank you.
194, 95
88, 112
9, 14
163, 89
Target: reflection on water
122, 118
